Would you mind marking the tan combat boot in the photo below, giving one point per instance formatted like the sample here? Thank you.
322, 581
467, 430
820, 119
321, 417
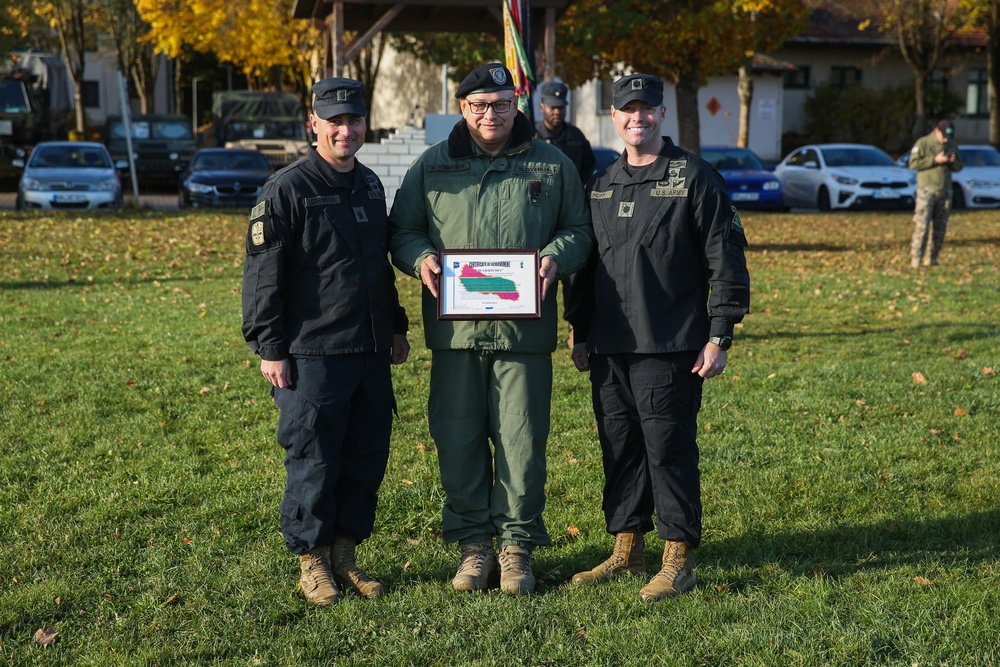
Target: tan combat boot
348, 574
625, 559
316, 581
477, 570
516, 577
676, 577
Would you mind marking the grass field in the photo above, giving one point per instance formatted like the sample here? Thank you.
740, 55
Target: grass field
850, 470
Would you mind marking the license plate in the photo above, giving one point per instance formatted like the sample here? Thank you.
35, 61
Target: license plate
746, 196
886, 193
70, 199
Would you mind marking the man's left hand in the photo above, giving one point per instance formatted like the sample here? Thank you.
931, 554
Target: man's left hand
711, 361
400, 349
549, 273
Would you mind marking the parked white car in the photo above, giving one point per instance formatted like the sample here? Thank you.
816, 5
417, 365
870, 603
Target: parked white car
69, 175
977, 185
833, 176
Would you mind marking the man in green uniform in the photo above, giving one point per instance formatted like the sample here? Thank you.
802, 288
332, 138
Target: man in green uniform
490, 185
935, 157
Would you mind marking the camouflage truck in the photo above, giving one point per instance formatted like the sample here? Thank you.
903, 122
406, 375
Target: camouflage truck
163, 144
35, 102
271, 123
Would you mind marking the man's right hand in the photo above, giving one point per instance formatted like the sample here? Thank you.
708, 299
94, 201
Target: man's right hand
278, 373
580, 357
430, 273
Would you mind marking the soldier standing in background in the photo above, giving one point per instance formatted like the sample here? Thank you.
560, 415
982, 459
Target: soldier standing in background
567, 137
934, 157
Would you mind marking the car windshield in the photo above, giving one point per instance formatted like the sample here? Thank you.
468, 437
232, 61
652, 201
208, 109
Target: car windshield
856, 157
72, 157
226, 161
291, 130
732, 159
160, 129
980, 157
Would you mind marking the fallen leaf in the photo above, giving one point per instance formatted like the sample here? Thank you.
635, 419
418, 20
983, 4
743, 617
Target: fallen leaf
935, 431
573, 531
923, 581
172, 599
986, 370
961, 412
46, 636
204, 390
919, 378
961, 354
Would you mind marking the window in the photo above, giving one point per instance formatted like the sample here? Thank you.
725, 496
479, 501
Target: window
799, 79
605, 95
977, 102
938, 80
92, 94
842, 77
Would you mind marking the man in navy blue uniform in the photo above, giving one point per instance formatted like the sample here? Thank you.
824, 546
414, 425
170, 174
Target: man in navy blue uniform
654, 314
320, 308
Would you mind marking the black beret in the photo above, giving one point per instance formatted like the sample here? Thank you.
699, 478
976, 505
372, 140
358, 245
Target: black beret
486, 79
333, 97
553, 93
642, 87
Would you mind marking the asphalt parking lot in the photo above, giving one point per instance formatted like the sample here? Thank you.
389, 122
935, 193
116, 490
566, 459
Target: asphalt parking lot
158, 200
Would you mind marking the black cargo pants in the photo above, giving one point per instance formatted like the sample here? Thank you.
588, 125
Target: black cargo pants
334, 425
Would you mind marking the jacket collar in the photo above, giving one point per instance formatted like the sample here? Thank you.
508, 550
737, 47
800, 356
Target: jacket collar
460, 145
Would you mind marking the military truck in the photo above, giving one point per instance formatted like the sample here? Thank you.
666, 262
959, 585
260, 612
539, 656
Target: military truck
271, 123
163, 144
35, 103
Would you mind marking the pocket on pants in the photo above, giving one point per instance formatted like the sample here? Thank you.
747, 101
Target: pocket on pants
297, 421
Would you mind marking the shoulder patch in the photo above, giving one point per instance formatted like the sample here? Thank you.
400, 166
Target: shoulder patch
260, 235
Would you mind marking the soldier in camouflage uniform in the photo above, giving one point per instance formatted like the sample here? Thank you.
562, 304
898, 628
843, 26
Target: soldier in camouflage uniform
935, 157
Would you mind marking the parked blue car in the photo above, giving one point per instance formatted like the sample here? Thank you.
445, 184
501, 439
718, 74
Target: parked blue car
749, 182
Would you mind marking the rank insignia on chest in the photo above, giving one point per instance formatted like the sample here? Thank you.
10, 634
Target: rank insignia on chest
359, 214
626, 209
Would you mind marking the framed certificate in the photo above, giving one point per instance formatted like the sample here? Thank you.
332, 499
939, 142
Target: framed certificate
489, 285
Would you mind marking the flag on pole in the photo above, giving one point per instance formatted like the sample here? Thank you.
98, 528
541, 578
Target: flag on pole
519, 51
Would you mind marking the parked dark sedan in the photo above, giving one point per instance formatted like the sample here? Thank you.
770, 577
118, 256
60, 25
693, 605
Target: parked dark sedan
223, 177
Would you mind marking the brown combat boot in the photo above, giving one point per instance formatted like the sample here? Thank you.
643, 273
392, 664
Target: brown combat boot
676, 577
625, 559
316, 581
477, 570
348, 574
516, 577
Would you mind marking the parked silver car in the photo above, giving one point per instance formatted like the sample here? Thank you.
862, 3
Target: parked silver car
831, 176
977, 185
69, 175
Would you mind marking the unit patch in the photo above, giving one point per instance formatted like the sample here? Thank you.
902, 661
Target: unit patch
737, 223
626, 209
260, 234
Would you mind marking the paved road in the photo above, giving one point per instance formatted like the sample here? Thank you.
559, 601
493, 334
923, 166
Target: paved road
159, 201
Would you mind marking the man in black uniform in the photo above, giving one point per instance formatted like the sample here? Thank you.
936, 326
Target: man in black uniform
320, 308
670, 242
554, 129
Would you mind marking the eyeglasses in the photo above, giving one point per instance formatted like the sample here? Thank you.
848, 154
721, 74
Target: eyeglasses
500, 106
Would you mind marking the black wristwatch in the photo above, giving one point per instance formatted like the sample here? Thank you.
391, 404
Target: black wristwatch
725, 342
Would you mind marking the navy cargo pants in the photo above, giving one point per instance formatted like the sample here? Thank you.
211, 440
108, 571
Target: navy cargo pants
334, 425
647, 419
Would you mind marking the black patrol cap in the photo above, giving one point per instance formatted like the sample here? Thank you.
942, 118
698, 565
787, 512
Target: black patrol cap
333, 97
488, 78
642, 87
553, 93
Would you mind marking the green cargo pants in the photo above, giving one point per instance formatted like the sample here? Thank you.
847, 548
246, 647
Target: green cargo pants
479, 397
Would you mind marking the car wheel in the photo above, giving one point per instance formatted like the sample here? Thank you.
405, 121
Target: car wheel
957, 197
823, 199
18, 203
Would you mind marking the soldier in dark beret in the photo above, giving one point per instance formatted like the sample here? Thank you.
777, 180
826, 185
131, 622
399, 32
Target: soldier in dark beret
320, 308
490, 185
654, 314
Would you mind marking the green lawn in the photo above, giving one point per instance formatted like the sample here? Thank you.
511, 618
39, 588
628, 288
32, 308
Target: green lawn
850, 469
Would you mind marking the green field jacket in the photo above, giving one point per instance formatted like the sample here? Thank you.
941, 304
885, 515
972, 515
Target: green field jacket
929, 173
455, 196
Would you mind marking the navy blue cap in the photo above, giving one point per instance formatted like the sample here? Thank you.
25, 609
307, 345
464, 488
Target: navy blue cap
332, 97
642, 87
553, 93
488, 78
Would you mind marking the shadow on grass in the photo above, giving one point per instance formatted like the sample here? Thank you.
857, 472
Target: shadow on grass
904, 543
